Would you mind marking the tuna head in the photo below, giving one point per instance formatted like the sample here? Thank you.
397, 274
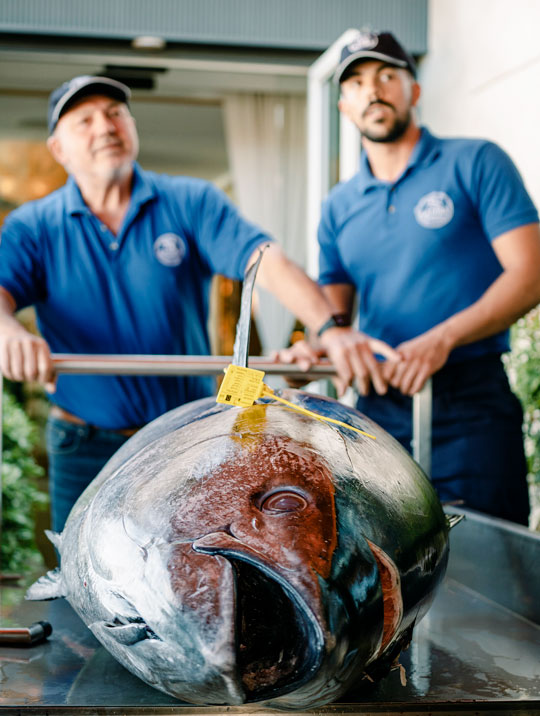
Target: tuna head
204, 564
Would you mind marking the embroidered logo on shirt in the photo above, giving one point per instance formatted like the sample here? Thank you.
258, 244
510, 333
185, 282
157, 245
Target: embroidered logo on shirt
363, 41
169, 249
434, 210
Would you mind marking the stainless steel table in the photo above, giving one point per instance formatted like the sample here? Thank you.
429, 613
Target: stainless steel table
477, 650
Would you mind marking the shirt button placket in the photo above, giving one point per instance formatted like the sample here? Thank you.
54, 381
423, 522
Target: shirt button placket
113, 245
391, 206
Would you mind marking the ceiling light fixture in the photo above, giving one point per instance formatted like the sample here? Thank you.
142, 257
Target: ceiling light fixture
148, 42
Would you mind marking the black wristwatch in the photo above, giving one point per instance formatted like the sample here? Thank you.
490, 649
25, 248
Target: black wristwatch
336, 320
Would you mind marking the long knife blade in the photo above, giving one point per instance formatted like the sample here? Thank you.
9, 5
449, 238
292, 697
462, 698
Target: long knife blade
243, 327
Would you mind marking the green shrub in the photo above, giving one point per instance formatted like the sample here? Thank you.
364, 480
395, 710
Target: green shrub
523, 367
20, 494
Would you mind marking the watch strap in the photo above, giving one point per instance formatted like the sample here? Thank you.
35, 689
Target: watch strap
336, 320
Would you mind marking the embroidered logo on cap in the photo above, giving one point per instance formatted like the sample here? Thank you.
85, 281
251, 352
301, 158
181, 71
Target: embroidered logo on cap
434, 210
363, 41
169, 249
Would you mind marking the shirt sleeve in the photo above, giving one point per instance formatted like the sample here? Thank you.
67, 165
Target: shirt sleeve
21, 271
331, 269
225, 239
500, 196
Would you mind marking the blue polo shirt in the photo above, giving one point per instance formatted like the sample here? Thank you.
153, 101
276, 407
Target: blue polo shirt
144, 290
418, 250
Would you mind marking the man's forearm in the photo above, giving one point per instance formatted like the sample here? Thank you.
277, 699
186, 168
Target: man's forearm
294, 289
8, 322
495, 311
506, 300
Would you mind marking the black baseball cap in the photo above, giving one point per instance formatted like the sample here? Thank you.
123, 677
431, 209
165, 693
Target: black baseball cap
374, 46
63, 97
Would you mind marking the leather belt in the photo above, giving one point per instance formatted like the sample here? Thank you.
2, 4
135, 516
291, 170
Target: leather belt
57, 412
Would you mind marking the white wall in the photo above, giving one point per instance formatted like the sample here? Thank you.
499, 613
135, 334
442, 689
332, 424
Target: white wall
481, 77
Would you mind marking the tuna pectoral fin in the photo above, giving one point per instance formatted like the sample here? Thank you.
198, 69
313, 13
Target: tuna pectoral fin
392, 597
50, 586
126, 634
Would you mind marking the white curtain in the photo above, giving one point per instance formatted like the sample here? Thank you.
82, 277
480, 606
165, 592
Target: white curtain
266, 143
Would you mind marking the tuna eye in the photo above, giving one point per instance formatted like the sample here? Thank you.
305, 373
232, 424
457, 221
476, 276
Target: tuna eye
279, 503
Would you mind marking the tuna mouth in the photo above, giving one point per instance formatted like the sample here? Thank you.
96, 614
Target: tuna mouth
279, 645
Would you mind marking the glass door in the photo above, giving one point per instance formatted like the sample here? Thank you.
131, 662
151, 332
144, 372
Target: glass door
333, 148
333, 151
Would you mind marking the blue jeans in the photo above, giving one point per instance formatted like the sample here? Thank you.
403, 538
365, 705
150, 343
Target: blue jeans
76, 455
477, 442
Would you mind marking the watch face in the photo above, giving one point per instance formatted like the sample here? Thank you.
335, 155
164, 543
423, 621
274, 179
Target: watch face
341, 319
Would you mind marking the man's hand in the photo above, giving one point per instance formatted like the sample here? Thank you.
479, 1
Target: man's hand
24, 356
352, 354
421, 357
301, 353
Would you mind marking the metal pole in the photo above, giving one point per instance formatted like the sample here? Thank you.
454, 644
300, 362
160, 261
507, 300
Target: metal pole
175, 365
421, 441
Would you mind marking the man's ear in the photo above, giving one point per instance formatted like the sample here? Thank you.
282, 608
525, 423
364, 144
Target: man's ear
344, 107
54, 145
415, 93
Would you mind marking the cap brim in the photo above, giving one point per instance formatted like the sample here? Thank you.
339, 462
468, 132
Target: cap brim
368, 55
102, 85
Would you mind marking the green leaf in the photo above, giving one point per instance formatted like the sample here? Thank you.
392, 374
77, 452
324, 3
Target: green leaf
20, 492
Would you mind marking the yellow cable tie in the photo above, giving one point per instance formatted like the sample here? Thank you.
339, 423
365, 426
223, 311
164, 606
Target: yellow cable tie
268, 392
242, 386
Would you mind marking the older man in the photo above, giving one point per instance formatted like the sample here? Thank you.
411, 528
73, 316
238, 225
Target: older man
119, 260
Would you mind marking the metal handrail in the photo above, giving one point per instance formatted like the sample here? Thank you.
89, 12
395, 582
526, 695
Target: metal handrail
177, 365
421, 429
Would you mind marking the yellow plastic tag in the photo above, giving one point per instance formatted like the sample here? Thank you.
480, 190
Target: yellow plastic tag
241, 386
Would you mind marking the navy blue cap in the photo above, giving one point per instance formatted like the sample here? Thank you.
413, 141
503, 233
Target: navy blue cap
374, 46
63, 97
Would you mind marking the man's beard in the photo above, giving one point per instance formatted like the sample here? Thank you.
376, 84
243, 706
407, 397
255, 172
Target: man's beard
394, 132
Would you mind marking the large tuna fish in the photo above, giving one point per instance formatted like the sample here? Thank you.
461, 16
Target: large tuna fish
229, 555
